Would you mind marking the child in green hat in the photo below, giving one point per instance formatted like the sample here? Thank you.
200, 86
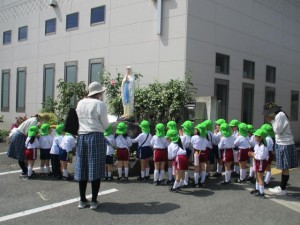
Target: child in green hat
243, 145
171, 125
46, 141
217, 152
234, 127
123, 144
144, 150
233, 124
270, 146
251, 139
226, 146
260, 156
109, 160
177, 154
31, 145
160, 155
54, 152
200, 143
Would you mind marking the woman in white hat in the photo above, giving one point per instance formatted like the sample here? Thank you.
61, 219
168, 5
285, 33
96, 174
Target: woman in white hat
91, 150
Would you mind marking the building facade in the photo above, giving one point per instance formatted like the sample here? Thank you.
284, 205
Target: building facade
244, 53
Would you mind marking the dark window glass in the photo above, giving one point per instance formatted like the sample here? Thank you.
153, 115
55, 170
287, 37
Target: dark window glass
5, 87
294, 105
72, 21
222, 93
48, 81
248, 69
271, 74
71, 77
23, 32
270, 94
50, 26
247, 103
222, 63
97, 14
95, 68
7, 37
21, 89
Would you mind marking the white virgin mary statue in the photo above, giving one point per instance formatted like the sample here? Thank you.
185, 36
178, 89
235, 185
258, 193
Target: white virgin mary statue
127, 92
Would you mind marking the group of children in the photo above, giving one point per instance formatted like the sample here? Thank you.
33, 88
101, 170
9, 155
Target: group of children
56, 148
235, 144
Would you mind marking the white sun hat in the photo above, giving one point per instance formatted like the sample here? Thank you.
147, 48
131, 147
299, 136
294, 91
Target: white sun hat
95, 88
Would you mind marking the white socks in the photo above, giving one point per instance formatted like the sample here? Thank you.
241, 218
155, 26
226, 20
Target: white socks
156, 175
186, 178
176, 184
120, 172
142, 174
219, 168
256, 186
227, 176
161, 175
170, 170
29, 173
126, 171
251, 172
236, 169
261, 189
243, 174
65, 173
268, 177
147, 172
196, 178
203, 176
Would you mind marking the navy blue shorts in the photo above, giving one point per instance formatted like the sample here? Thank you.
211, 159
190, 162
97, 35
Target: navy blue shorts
109, 159
145, 152
63, 155
45, 154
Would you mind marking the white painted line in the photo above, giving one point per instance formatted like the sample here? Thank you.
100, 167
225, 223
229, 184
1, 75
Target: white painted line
17, 171
52, 206
286, 201
42, 195
2, 153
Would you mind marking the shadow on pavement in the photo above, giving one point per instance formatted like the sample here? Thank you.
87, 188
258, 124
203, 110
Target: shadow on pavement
137, 208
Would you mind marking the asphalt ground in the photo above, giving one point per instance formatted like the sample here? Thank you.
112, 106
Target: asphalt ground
47, 201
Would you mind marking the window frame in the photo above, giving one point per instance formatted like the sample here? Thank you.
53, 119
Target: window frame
252, 86
4, 32
225, 83
245, 61
5, 71
293, 114
101, 22
268, 66
72, 28
94, 61
23, 39
50, 33
48, 66
221, 54
21, 109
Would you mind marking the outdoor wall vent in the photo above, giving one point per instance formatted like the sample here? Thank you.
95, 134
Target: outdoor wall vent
53, 3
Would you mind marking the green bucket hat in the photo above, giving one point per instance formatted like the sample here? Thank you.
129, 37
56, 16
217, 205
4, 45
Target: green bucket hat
261, 133
188, 128
108, 130
59, 129
269, 129
234, 123
121, 128
45, 129
208, 124
145, 126
160, 130
250, 128
225, 130
202, 129
243, 129
33, 130
172, 125
172, 135
220, 121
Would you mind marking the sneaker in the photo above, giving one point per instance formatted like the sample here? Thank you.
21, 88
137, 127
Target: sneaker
119, 178
125, 179
147, 177
169, 182
174, 189
201, 184
197, 185
94, 205
23, 175
155, 183
83, 204
67, 178
254, 191
235, 174
251, 180
258, 194
266, 185
49, 174
110, 178
239, 181
277, 191
224, 182
216, 174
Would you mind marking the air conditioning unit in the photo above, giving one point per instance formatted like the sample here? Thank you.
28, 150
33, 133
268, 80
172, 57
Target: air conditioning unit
53, 3
218, 69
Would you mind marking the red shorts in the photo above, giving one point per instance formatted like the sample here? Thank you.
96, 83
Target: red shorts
122, 154
160, 155
243, 155
261, 165
271, 157
207, 151
227, 155
182, 162
30, 154
203, 155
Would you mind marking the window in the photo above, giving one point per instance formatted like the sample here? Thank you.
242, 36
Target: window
97, 15
248, 69
71, 77
23, 31
247, 103
48, 84
271, 74
21, 89
95, 70
5, 88
50, 26
221, 93
222, 63
294, 105
72, 21
7, 37
269, 94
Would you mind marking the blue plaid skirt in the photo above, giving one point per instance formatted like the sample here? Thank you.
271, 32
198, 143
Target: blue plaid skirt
16, 148
286, 156
90, 157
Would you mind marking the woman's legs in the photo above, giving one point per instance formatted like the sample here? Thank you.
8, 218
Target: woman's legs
23, 166
82, 190
95, 189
